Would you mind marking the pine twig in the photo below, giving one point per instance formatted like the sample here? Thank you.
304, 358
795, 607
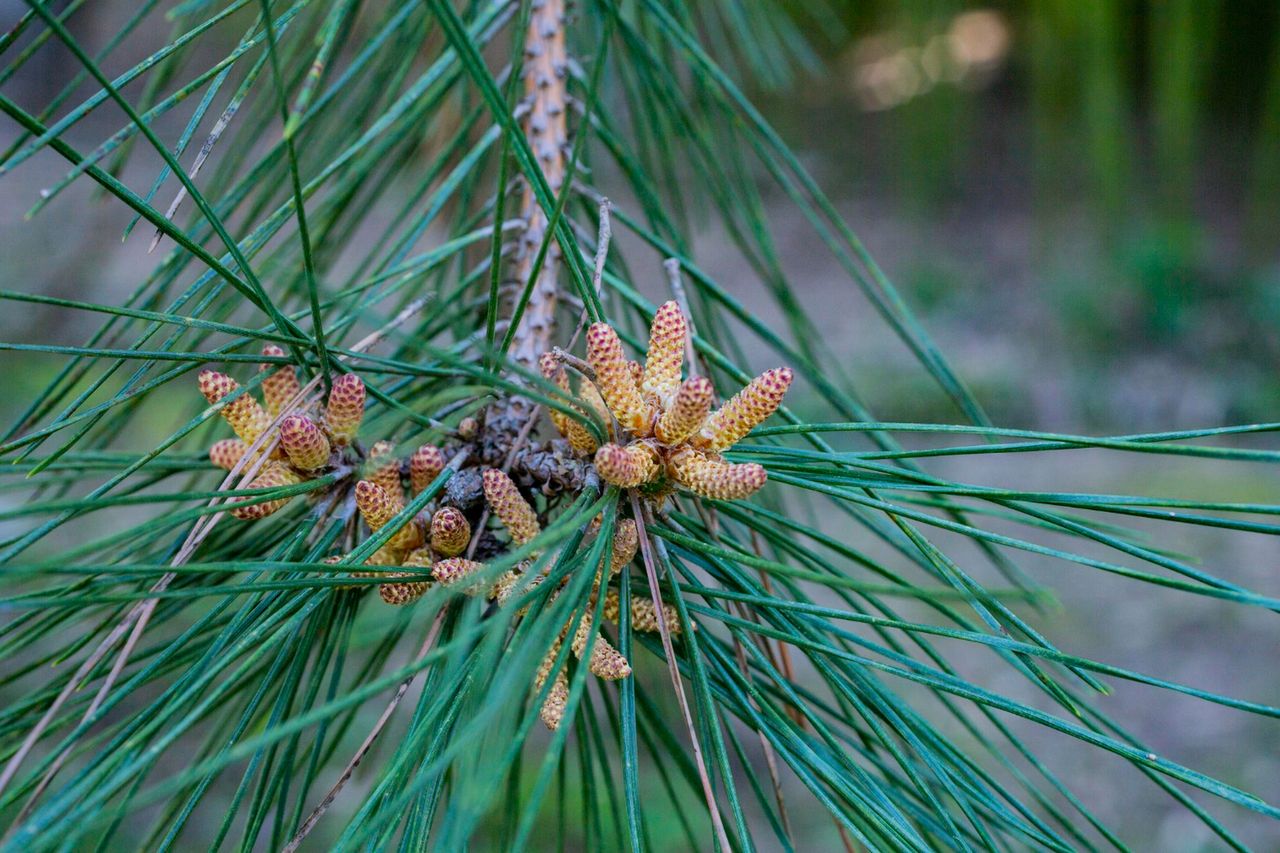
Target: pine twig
545, 72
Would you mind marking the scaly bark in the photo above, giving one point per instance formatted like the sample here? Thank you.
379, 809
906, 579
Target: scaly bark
545, 99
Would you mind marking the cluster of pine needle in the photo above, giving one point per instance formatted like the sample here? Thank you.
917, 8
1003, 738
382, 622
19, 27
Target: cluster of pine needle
502, 544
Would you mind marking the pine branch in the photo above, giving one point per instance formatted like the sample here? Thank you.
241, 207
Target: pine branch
545, 72
816, 586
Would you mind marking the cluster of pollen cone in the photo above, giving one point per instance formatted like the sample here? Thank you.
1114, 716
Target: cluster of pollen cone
663, 429
428, 548
305, 448
521, 523
436, 548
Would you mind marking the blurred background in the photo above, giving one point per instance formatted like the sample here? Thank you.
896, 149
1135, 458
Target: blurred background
1081, 201
1105, 175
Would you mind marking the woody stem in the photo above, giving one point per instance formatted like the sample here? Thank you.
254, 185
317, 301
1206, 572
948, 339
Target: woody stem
545, 71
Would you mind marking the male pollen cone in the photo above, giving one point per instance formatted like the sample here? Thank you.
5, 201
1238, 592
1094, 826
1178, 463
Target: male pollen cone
281, 385
405, 592
553, 371
384, 556
398, 593
450, 532
580, 439
589, 395
247, 418
345, 409
614, 377
716, 479
662, 364
626, 539
626, 467
605, 661
687, 412
387, 555
425, 465
384, 469
553, 707
761, 398
510, 506
274, 476
505, 585
643, 617
227, 452
304, 443
455, 569
377, 508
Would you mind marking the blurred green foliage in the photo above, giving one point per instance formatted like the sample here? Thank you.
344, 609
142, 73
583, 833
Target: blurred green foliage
1132, 108
1138, 142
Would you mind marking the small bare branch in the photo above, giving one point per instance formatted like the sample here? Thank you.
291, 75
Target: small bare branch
572, 361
